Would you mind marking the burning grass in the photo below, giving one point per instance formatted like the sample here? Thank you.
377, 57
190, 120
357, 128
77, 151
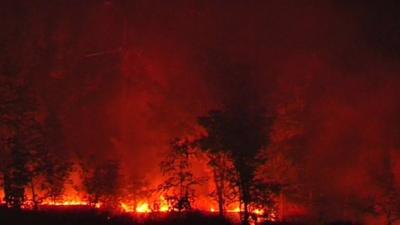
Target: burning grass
73, 214
90, 216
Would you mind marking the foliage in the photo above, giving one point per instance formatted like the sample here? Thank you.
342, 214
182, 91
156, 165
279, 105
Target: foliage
225, 178
22, 139
136, 188
102, 183
240, 134
56, 166
180, 182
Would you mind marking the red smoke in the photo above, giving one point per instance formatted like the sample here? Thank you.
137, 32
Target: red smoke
127, 77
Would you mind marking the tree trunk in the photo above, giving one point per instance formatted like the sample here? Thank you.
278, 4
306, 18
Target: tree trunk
245, 200
220, 193
245, 213
221, 202
219, 180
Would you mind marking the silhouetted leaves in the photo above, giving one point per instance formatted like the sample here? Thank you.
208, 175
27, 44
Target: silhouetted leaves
241, 134
178, 187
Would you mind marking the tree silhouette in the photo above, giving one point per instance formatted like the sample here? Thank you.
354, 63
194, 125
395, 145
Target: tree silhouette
136, 189
278, 177
240, 134
224, 178
16, 175
103, 183
22, 139
180, 182
56, 165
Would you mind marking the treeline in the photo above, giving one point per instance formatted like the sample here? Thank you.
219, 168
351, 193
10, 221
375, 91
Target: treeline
34, 158
31, 147
233, 144
260, 159
257, 158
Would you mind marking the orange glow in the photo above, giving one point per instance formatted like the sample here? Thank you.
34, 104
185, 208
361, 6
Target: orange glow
164, 206
258, 211
69, 202
237, 209
126, 208
143, 207
75, 202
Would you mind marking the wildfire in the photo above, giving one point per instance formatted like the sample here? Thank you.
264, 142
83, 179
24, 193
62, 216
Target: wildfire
75, 202
126, 208
258, 211
236, 210
164, 206
60, 203
143, 208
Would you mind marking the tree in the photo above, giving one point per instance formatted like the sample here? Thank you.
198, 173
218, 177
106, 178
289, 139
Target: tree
136, 189
16, 176
57, 166
287, 152
239, 133
22, 139
180, 183
279, 178
56, 173
102, 183
224, 176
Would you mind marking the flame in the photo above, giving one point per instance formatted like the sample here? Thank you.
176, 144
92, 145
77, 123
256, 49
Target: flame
236, 210
68, 202
255, 211
258, 211
164, 206
126, 207
143, 207
75, 202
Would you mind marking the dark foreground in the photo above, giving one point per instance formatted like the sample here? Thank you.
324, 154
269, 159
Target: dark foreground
78, 216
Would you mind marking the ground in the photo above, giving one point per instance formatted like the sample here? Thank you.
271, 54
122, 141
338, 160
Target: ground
83, 216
